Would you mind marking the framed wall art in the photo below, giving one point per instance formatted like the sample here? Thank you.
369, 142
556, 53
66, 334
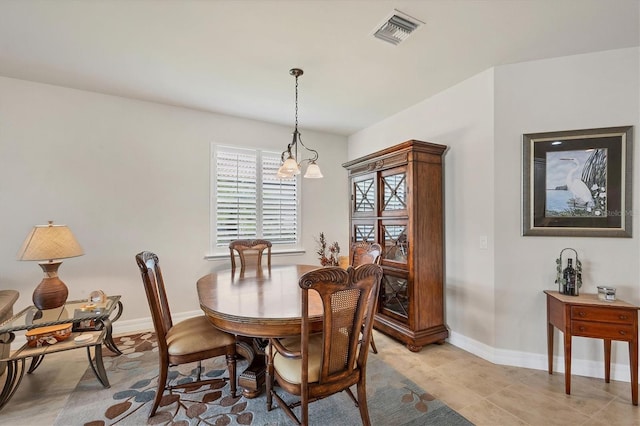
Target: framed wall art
577, 183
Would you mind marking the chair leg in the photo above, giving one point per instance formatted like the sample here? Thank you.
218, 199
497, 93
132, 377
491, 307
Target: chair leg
362, 401
373, 345
162, 383
269, 378
304, 412
353, 398
199, 375
231, 366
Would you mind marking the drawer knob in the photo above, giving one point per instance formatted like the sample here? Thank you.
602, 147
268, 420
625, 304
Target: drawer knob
581, 328
622, 332
623, 317
582, 314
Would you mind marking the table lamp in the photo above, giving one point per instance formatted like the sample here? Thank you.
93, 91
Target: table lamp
49, 243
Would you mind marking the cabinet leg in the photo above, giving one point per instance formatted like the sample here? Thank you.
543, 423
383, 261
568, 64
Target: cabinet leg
414, 348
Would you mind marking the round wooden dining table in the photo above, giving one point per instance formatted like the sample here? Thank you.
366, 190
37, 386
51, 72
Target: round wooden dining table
258, 303
263, 302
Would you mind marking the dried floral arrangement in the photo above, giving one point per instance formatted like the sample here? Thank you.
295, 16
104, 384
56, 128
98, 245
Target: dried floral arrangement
332, 259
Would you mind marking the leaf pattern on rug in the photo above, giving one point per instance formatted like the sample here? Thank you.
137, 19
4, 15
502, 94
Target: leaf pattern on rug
423, 398
193, 402
393, 399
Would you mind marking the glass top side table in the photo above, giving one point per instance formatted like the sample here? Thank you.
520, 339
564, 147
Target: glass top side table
95, 321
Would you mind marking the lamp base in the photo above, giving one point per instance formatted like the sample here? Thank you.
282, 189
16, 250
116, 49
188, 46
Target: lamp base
51, 293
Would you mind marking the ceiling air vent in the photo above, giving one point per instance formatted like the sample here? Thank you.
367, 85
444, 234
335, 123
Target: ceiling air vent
397, 28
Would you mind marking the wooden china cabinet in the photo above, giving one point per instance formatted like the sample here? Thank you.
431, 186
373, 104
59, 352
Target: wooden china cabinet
397, 201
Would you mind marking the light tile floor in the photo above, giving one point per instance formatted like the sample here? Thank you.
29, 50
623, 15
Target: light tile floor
484, 393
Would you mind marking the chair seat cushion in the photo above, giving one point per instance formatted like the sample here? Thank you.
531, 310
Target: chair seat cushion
196, 335
290, 369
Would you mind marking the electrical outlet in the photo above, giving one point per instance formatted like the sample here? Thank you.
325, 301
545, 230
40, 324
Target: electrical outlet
484, 242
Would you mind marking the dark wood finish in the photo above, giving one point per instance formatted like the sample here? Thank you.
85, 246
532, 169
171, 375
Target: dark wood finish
249, 248
363, 253
259, 303
588, 316
191, 340
348, 299
407, 220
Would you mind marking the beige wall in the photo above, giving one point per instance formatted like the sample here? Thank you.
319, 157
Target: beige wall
575, 92
128, 176
495, 304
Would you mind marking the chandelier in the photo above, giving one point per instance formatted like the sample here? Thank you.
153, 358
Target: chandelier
290, 165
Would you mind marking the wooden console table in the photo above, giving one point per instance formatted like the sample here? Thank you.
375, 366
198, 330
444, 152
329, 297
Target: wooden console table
588, 316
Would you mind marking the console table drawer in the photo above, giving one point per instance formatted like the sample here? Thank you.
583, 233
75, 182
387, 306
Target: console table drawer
602, 330
588, 313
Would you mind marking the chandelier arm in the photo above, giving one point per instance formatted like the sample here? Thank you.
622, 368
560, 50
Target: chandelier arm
315, 153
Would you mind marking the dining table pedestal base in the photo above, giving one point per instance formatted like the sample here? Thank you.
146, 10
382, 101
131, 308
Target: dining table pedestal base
252, 379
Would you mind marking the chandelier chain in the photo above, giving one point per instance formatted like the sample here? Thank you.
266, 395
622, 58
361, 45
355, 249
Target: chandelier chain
296, 102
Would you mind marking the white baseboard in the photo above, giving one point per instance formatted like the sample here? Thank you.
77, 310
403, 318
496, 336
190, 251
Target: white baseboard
535, 361
144, 324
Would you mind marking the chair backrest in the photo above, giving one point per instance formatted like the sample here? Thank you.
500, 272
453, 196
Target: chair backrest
247, 249
364, 252
348, 298
156, 295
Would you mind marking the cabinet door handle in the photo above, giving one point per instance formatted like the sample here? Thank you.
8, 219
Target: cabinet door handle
622, 332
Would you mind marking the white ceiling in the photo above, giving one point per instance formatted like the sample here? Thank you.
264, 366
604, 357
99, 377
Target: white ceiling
234, 57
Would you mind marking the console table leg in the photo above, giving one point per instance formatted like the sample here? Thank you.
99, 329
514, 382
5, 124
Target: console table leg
633, 360
14, 373
567, 362
607, 360
550, 347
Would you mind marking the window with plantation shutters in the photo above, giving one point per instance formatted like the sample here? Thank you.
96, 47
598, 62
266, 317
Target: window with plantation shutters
249, 201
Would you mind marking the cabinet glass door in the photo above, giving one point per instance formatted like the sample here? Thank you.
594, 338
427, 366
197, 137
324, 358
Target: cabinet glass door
394, 297
364, 231
364, 196
395, 242
394, 191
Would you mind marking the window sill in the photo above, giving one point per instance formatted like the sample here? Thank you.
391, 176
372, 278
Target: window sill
224, 256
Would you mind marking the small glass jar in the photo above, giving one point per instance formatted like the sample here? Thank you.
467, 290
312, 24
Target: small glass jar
608, 294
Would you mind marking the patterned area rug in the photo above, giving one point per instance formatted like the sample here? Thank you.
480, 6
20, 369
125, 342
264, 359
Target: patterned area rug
392, 398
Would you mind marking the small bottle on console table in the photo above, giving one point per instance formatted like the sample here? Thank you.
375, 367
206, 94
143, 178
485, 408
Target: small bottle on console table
569, 279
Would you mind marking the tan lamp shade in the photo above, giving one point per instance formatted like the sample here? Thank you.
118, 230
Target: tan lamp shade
50, 243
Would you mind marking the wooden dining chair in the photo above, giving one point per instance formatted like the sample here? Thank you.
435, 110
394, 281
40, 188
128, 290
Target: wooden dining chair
363, 253
192, 340
313, 366
248, 249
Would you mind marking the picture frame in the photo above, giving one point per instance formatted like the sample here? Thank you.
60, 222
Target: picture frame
578, 183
